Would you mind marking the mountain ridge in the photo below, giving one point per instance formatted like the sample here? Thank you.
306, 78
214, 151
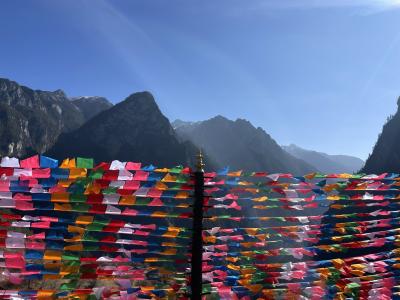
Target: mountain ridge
326, 163
240, 145
91, 105
36, 121
134, 129
385, 156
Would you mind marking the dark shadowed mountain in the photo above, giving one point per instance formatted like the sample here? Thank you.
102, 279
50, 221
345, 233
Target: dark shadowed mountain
240, 145
31, 120
385, 156
91, 105
326, 163
132, 130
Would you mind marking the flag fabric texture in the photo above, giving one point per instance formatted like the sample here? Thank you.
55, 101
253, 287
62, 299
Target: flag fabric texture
122, 230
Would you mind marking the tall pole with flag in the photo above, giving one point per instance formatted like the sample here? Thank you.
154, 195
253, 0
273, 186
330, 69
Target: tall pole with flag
197, 239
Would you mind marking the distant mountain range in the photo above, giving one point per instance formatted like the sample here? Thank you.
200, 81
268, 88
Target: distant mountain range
34, 121
240, 145
326, 163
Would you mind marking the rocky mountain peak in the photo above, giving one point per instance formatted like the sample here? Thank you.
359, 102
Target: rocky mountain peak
134, 129
219, 118
8, 84
141, 101
60, 93
90, 106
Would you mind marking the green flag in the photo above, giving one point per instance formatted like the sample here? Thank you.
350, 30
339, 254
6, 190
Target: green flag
86, 163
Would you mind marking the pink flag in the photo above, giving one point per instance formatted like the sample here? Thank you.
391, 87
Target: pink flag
20, 196
14, 260
156, 202
154, 193
40, 225
141, 176
30, 162
139, 243
41, 173
131, 185
39, 236
24, 205
142, 233
4, 185
236, 206
129, 212
149, 226
133, 166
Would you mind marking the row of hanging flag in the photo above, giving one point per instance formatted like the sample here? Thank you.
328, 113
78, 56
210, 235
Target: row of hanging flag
41, 163
316, 236
75, 230
121, 230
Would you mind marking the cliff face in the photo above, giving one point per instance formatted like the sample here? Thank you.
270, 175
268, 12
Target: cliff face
32, 120
134, 129
385, 156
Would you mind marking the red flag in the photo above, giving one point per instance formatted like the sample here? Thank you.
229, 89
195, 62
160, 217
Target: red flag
30, 162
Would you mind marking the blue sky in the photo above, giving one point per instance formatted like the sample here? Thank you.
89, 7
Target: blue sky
320, 74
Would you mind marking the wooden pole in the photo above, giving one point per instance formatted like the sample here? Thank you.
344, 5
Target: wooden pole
197, 239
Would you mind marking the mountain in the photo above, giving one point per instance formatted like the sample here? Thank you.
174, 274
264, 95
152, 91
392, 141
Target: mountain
132, 130
239, 145
31, 120
326, 163
385, 156
91, 105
